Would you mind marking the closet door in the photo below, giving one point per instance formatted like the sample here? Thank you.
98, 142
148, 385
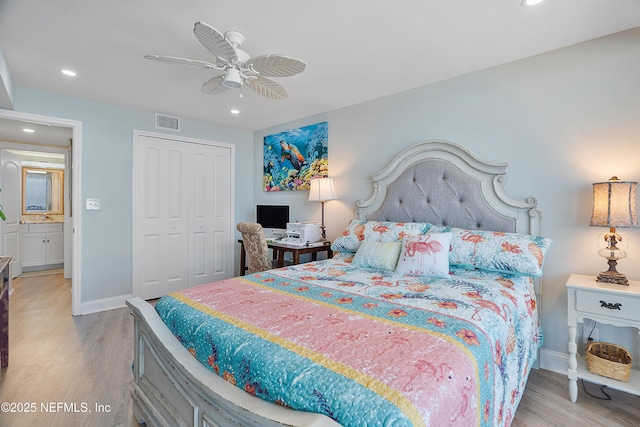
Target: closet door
210, 215
182, 215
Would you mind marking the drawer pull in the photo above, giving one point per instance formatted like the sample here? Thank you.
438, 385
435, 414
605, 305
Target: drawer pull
610, 306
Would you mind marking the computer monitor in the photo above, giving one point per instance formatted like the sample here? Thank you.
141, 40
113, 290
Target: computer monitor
273, 219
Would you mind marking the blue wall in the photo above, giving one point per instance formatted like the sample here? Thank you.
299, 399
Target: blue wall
107, 151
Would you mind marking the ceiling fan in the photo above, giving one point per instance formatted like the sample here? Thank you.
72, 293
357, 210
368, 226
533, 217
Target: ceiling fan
239, 68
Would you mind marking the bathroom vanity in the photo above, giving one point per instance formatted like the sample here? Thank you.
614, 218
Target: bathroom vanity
42, 245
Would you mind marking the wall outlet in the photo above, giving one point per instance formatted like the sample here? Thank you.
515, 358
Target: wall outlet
586, 330
93, 204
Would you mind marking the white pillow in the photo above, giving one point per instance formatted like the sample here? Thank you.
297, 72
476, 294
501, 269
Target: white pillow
425, 255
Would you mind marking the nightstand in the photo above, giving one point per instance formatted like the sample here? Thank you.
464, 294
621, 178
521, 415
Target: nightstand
611, 304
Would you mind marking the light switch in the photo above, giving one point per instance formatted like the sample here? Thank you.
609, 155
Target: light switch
93, 204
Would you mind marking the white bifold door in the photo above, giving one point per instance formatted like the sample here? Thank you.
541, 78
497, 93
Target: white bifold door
182, 213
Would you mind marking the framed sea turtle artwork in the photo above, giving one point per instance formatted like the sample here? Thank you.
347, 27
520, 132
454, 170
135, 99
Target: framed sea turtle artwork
294, 157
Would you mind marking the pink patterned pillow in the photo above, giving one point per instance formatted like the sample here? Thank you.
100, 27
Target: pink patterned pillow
508, 253
425, 255
360, 231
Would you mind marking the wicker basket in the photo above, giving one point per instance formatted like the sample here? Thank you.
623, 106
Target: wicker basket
608, 360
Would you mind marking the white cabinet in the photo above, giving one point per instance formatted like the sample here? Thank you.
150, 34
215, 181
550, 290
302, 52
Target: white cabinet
42, 244
33, 245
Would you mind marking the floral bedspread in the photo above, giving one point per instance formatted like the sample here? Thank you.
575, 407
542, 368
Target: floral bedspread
367, 347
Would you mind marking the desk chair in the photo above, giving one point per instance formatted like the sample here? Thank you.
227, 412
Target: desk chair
255, 246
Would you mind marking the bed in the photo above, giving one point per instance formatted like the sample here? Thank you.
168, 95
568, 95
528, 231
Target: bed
426, 315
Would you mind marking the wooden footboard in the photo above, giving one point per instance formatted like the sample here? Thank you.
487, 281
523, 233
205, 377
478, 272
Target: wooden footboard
171, 388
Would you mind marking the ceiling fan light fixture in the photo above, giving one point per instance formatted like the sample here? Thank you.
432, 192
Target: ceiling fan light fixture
232, 79
238, 66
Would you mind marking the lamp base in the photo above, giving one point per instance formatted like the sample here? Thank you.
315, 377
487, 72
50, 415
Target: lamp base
612, 253
613, 277
324, 233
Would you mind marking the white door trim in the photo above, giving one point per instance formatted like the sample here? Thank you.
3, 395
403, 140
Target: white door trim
73, 233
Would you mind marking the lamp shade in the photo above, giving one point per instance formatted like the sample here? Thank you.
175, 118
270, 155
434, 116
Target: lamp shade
614, 204
321, 189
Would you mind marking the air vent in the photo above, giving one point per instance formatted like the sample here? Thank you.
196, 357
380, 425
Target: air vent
167, 122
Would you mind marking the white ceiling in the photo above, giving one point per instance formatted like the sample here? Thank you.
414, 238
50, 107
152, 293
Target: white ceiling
356, 50
13, 131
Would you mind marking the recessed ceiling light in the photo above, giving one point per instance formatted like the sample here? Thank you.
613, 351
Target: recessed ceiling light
69, 73
527, 3
27, 130
234, 111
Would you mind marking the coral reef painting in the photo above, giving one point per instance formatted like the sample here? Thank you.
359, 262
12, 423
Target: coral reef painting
294, 157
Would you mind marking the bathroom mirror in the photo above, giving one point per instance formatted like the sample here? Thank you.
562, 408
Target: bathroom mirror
42, 191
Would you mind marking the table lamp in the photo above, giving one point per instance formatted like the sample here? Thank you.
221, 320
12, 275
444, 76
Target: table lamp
614, 205
321, 189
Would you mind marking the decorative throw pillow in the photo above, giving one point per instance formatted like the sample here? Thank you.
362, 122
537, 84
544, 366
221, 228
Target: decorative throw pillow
498, 251
425, 255
380, 255
359, 231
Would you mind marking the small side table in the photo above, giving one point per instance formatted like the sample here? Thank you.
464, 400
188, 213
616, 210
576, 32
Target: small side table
279, 249
606, 303
296, 251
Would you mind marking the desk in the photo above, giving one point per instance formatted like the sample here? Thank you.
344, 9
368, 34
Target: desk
279, 249
5, 287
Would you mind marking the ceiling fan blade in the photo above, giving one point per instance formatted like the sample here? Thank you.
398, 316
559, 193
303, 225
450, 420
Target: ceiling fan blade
276, 65
185, 61
214, 86
214, 41
267, 87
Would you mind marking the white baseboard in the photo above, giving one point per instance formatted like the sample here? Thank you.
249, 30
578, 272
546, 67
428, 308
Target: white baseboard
554, 361
104, 304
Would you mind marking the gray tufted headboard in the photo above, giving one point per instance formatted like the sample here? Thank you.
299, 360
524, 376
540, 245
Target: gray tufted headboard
445, 184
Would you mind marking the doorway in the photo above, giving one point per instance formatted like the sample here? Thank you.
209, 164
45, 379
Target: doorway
72, 222
34, 183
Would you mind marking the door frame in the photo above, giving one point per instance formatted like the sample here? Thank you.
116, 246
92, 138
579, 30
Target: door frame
74, 232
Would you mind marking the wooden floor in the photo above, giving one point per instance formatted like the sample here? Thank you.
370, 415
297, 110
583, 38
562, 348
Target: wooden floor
84, 363
57, 359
